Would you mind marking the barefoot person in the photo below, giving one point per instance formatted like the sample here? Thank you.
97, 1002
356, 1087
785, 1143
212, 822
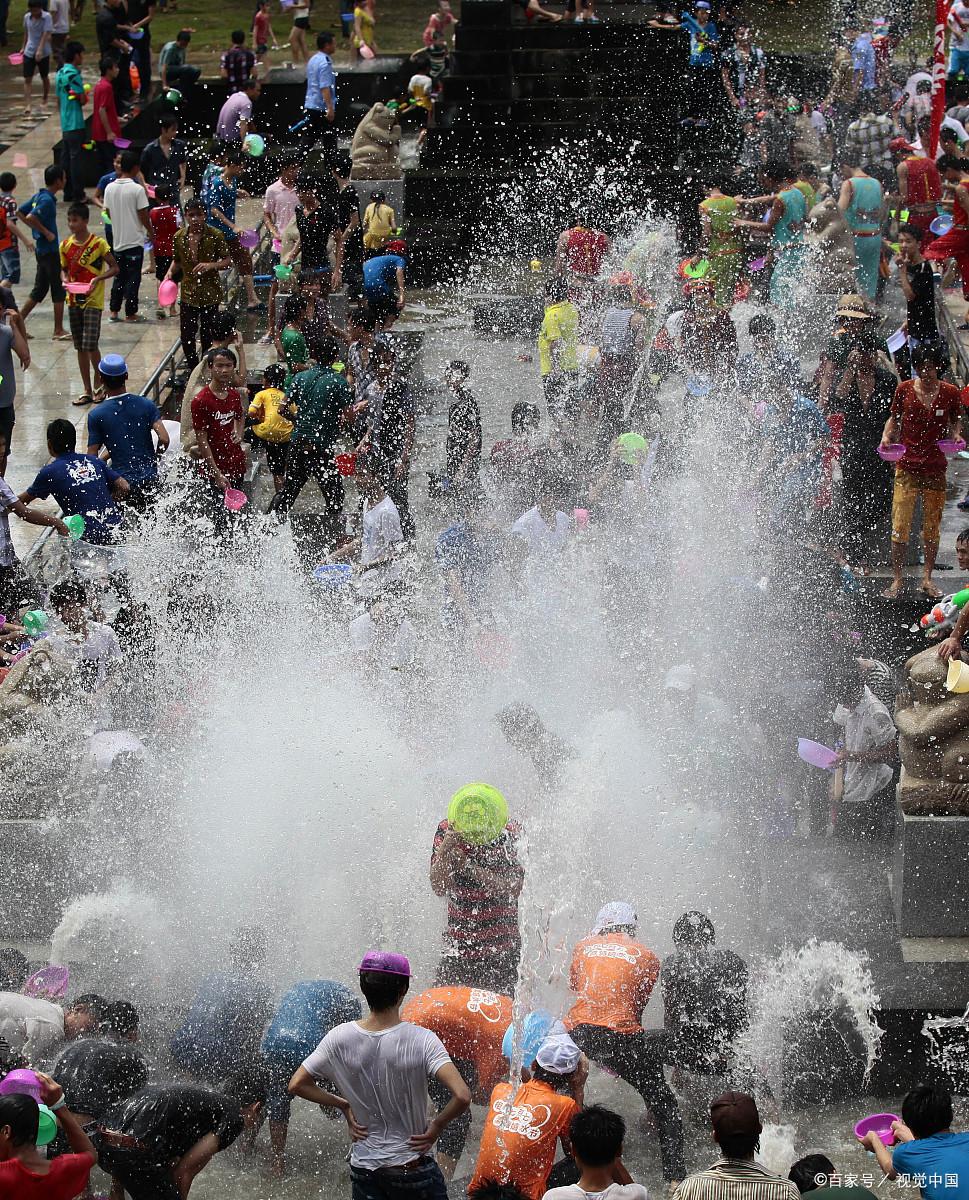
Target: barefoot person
924, 411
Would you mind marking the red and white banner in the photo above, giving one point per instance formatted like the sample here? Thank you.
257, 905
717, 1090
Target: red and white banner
938, 76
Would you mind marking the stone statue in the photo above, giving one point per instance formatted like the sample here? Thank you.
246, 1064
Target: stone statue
375, 148
933, 727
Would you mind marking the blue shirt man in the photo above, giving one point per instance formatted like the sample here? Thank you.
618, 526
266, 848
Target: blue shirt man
124, 423
863, 61
42, 206
320, 75
380, 275
81, 484
306, 1014
220, 192
223, 1026
703, 37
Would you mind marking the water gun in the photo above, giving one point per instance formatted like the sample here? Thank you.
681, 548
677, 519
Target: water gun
946, 612
298, 126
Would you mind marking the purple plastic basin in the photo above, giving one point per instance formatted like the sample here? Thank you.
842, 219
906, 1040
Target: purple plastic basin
880, 1123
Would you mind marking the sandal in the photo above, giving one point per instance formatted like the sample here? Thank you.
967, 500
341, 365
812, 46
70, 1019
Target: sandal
84, 398
930, 590
61, 337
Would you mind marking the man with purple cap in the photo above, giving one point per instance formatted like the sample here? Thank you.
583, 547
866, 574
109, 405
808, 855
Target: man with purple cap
381, 1066
735, 1175
124, 423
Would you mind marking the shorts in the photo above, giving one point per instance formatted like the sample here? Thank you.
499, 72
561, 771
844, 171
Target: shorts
301, 23
382, 307
262, 48
277, 454
162, 263
561, 395
10, 265
958, 61
48, 279
41, 65
907, 488
241, 258
8, 419
85, 326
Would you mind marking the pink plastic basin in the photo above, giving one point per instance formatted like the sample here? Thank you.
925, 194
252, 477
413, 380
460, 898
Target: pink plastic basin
77, 289
892, 453
15, 60
880, 1123
49, 983
950, 447
20, 1083
167, 292
122, 143
235, 500
816, 754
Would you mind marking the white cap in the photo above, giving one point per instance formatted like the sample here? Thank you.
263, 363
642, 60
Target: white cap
616, 912
681, 678
558, 1054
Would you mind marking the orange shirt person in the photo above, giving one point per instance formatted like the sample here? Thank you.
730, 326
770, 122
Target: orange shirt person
471, 1023
613, 975
525, 1122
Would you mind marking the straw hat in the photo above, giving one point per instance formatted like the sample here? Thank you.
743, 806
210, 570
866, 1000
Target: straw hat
852, 305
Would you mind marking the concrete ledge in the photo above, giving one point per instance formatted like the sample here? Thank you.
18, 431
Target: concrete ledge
930, 885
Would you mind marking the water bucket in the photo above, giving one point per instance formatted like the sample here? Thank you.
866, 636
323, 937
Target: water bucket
122, 143
941, 224
366, 52
249, 238
21, 1083
77, 289
950, 447
15, 60
346, 464
75, 526
815, 754
46, 1126
479, 813
134, 35
173, 96
757, 264
282, 272
277, 246
892, 452
254, 145
49, 983
957, 677
632, 446
333, 575
581, 516
35, 622
880, 1123
167, 292
235, 500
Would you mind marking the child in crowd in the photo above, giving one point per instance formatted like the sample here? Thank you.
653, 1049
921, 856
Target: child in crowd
262, 29
102, 184
597, 1135
10, 256
238, 63
381, 538
271, 427
86, 259
165, 220
379, 223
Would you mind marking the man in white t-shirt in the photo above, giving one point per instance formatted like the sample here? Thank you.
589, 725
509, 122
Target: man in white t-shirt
34, 1028
545, 527
596, 1135
381, 1067
126, 203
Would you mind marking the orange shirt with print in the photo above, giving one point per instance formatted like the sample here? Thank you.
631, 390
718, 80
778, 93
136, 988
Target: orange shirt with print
520, 1135
613, 975
471, 1023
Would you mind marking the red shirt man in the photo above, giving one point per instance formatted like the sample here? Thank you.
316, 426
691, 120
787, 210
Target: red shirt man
104, 128
218, 419
581, 250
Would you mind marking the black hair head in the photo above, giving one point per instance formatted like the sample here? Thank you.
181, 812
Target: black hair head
72, 50
53, 174
597, 1135
559, 1082
762, 325
122, 1018
61, 436
21, 1115
165, 194
223, 326
525, 416
167, 120
79, 209
342, 164
193, 205
693, 929
238, 37
811, 1172
248, 1085
183, 35
129, 161
913, 231
362, 318
234, 155
963, 535
107, 62
14, 969
8, 181
327, 351
491, 1189
556, 290
777, 169
382, 990
927, 1109
738, 1145
274, 375
90, 1002
66, 593
323, 38
293, 309
220, 352
923, 356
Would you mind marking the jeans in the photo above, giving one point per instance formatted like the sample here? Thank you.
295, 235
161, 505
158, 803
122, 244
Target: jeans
105, 152
636, 1058
423, 1183
10, 264
128, 280
71, 150
196, 321
141, 56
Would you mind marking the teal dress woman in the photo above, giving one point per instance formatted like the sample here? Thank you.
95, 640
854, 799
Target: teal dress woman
861, 199
787, 229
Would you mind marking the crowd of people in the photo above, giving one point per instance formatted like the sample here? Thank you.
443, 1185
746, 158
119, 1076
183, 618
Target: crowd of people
636, 348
